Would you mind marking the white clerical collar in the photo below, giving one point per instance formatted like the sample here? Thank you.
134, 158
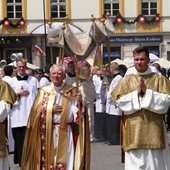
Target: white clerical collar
57, 88
150, 70
21, 75
132, 70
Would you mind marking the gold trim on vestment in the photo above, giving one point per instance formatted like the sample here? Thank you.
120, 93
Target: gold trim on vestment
63, 137
82, 155
49, 129
7, 94
31, 155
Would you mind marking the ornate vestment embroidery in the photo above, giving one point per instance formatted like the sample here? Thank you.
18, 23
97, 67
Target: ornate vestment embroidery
43, 129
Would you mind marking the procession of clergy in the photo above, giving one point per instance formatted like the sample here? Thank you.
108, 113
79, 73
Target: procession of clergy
51, 116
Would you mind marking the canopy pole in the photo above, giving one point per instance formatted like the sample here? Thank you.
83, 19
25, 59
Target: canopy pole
60, 56
109, 60
45, 32
77, 88
51, 53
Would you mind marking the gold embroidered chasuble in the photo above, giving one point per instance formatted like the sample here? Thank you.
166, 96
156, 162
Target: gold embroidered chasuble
38, 150
142, 129
8, 95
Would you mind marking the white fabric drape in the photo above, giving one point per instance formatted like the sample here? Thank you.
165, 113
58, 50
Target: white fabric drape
81, 44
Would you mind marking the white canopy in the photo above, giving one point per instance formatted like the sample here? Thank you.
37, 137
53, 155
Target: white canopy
82, 44
29, 65
54, 26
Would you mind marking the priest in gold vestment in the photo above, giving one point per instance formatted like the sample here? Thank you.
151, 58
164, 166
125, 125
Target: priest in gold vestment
144, 97
50, 140
7, 99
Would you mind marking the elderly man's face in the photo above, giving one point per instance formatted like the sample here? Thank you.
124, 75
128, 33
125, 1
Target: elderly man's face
57, 75
141, 62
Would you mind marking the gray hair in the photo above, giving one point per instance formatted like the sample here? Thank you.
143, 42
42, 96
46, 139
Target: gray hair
58, 65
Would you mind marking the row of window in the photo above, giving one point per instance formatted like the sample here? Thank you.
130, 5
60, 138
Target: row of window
58, 8
148, 7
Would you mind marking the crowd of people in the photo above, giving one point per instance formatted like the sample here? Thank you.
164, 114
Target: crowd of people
54, 114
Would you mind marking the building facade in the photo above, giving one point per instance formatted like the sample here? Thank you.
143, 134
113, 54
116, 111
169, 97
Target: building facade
23, 23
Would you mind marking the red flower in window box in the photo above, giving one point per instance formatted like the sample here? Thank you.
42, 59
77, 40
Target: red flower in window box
6, 23
22, 23
157, 18
119, 20
141, 19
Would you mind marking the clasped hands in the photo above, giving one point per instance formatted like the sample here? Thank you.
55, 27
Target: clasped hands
141, 87
23, 92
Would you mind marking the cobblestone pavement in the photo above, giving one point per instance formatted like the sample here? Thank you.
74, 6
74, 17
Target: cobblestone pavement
103, 157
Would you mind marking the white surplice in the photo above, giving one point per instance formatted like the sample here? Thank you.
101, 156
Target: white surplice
21, 109
98, 84
110, 106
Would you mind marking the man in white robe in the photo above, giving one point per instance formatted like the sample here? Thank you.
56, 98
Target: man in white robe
113, 113
144, 97
99, 123
26, 87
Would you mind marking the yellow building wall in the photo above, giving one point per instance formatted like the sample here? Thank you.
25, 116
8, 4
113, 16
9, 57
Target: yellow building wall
118, 28
10, 30
155, 27
140, 28
48, 11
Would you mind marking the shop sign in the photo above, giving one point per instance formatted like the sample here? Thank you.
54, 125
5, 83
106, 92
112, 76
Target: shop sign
137, 39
